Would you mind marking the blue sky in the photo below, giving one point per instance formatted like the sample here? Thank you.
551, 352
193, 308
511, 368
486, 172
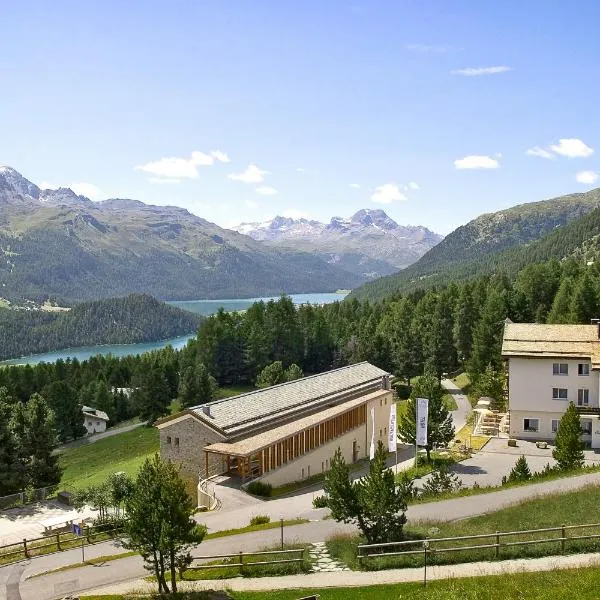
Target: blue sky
304, 99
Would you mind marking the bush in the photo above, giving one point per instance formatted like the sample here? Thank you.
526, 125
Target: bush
258, 488
320, 501
403, 391
440, 481
260, 520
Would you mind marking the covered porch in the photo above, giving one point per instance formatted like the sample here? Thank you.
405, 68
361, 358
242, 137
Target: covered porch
262, 453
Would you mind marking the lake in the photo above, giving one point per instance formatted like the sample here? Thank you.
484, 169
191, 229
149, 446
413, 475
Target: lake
203, 307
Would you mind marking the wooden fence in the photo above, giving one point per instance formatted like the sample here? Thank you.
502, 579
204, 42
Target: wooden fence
55, 542
496, 541
237, 560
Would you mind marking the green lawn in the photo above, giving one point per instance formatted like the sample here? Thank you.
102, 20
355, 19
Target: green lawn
582, 584
449, 401
93, 463
572, 508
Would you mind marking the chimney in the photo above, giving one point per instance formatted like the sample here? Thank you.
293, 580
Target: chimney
385, 383
206, 410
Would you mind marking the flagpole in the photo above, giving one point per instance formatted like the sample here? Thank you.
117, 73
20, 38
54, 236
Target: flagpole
416, 428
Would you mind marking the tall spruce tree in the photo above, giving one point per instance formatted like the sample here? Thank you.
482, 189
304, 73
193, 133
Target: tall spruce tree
62, 399
568, 452
464, 322
561, 305
9, 461
584, 304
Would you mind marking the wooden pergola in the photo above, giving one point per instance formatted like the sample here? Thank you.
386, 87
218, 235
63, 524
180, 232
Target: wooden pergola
264, 452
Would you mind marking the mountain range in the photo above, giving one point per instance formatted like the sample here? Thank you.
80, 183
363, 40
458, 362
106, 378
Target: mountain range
369, 243
501, 242
55, 243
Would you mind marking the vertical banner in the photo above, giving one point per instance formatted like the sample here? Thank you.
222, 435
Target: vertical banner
392, 435
372, 446
422, 410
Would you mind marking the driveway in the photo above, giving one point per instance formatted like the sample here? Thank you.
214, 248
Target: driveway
463, 406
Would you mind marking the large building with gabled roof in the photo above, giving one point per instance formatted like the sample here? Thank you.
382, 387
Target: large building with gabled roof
283, 433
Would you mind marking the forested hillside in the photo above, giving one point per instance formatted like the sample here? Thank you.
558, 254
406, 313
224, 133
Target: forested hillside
504, 241
136, 318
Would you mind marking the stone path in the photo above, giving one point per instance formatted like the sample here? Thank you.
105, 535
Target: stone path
323, 563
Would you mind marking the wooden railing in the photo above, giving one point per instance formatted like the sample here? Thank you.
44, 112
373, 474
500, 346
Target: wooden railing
237, 560
434, 546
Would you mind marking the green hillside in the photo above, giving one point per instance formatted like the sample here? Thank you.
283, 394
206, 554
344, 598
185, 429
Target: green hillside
136, 318
502, 241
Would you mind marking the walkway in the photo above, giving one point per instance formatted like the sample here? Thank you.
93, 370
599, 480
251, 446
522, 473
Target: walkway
463, 409
351, 579
84, 441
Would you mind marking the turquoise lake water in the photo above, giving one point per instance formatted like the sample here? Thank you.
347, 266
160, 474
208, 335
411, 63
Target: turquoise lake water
203, 307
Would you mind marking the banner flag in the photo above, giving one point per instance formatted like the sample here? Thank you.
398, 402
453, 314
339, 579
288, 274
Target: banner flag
422, 410
372, 447
392, 434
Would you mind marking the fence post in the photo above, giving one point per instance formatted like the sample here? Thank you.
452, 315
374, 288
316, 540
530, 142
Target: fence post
22, 496
497, 544
562, 541
87, 534
58, 542
241, 561
25, 551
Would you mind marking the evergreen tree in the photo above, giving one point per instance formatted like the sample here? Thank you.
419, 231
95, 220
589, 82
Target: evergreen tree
104, 400
441, 355
9, 460
62, 399
521, 470
568, 452
561, 305
584, 305
374, 503
464, 321
152, 396
43, 468
160, 524
440, 429
19, 429
491, 384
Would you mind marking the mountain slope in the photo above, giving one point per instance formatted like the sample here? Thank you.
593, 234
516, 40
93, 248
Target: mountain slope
134, 319
55, 243
369, 243
497, 241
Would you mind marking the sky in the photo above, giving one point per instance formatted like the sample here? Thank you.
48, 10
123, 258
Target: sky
434, 111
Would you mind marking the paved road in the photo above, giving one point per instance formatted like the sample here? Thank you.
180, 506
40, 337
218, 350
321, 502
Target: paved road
460, 415
129, 569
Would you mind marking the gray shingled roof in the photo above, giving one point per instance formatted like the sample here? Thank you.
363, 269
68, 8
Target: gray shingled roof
234, 413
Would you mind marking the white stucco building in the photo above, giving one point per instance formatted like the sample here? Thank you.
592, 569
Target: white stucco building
95, 421
550, 366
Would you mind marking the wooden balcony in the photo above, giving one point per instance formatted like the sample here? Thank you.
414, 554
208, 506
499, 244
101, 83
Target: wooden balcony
588, 409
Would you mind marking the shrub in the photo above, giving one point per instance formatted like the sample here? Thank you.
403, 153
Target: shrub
260, 520
258, 488
320, 501
403, 391
441, 480
521, 470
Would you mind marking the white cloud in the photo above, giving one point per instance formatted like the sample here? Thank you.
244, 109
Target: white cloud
174, 167
475, 161
265, 190
588, 177
387, 193
251, 204
572, 148
163, 180
475, 71
252, 174
428, 48
356, 186
81, 188
413, 185
293, 213
220, 156
305, 170
541, 152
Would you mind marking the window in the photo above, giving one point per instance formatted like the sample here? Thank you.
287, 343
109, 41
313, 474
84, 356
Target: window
583, 369
560, 393
177, 441
168, 438
554, 425
560, 369
583, 397
586, 427
531, 425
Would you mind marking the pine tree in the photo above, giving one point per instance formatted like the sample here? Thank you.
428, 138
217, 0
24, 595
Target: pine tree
160, 524
491, 384
43, 468
272, 374
521, 470
441, 355
19, 429
568, 452
561, 306
464, 322
62, 399
9, 463
152, 396
584, 305
440, 429
104, 400
293, 372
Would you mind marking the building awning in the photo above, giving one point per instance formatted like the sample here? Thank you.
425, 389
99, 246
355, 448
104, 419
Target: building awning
255, 443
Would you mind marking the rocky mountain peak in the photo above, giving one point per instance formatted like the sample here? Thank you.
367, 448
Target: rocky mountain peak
18, 183
374, 217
